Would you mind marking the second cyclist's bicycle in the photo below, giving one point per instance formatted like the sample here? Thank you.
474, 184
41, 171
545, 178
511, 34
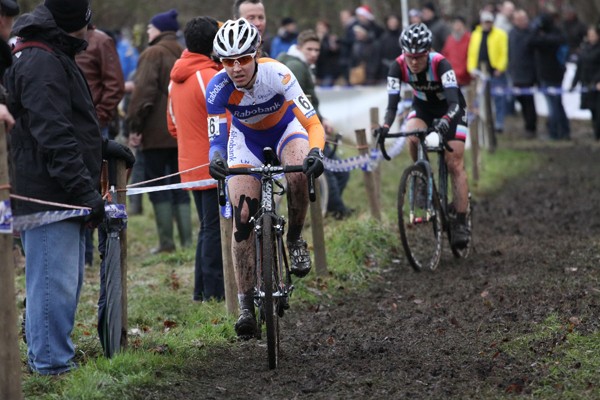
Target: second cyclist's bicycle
424, 209
273, 282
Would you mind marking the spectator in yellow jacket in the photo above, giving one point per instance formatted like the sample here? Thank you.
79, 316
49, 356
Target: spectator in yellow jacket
489, 46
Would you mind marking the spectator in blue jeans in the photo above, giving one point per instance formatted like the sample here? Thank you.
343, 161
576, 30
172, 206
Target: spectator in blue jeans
56, 121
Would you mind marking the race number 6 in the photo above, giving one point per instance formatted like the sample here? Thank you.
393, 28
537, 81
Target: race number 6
304, 105
213, 128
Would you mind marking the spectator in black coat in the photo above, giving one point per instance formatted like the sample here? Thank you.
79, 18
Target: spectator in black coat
574, 29
547, 42
327, 67
438, 27
588, 74
388, 45
521, 69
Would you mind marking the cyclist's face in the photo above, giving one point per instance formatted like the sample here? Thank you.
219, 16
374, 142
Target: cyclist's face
255, 14
240, 69
416, 62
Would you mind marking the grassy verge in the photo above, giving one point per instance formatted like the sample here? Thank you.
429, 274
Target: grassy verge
167, 329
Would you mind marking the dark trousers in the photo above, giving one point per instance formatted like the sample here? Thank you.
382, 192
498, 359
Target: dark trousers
208, 274
161, 162
596, 119
336, 182
558, 123
528, 112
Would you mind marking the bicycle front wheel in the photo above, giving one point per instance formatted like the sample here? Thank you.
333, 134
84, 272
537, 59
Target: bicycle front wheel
269, 287
420, 225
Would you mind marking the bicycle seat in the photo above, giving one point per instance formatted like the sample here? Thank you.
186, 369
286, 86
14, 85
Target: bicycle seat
270, 157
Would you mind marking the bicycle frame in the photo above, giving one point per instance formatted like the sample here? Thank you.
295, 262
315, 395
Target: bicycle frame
437, 207
423, 161
273, 282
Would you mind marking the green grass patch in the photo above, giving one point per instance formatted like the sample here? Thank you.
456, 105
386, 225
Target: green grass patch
565, 360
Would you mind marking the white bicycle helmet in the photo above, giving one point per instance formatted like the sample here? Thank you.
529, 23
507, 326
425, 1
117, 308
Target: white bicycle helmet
416, 39
236, 38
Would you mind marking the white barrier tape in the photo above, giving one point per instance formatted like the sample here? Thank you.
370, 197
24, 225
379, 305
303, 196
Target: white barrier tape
185, 185
10, 224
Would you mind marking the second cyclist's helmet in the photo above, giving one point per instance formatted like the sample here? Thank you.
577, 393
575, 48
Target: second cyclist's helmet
416, 39
235, 38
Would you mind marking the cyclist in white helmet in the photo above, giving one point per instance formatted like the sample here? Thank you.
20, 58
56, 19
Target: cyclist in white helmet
268, 108
437, 102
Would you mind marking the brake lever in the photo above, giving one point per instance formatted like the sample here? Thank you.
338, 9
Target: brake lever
221, 192
381, 144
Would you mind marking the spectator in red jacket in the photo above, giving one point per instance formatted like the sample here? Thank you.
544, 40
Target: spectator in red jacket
455, 50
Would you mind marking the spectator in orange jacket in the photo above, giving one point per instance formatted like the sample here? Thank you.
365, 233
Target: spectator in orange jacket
187, 122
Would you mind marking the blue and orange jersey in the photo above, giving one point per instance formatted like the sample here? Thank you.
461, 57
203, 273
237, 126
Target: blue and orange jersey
267, 108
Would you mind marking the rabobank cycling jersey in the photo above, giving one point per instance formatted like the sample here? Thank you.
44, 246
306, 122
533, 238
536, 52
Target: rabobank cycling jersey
436, 87
262, 113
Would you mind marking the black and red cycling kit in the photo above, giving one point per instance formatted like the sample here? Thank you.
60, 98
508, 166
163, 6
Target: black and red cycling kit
436, 94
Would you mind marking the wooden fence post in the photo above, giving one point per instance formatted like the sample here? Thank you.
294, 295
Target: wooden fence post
122, 199
473, 131
10, 360
229, 282
363, 148
316, 226
374, 116
489, 112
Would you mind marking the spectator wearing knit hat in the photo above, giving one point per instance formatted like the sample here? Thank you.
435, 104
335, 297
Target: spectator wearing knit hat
287, 35
366, 19
186, 119
148, 128
70, 16
166, 21
56, 121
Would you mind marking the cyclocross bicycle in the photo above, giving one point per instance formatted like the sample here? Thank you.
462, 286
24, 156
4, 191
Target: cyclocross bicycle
273, 282
424, 212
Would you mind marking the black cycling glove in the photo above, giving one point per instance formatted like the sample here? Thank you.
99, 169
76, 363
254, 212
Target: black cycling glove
442, 126
313, 163
218, 167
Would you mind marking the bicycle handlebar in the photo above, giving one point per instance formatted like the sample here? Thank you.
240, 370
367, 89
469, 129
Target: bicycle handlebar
268, 171
420, 133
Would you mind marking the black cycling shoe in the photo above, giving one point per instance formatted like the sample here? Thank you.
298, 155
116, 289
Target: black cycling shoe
245, 327
460, 236
300, 258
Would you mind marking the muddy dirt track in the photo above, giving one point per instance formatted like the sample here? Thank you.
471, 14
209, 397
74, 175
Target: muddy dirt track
436, 335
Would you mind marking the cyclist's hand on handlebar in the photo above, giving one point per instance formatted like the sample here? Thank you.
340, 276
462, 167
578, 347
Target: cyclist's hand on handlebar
313, 163
442, 126
381, 133
218, 167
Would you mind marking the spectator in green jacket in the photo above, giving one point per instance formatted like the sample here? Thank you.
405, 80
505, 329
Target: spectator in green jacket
301, 59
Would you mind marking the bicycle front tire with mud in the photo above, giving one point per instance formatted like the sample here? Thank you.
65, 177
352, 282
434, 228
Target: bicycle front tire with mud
271, 320
420, 228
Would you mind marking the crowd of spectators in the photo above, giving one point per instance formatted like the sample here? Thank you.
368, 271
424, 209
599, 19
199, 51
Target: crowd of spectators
520, 51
